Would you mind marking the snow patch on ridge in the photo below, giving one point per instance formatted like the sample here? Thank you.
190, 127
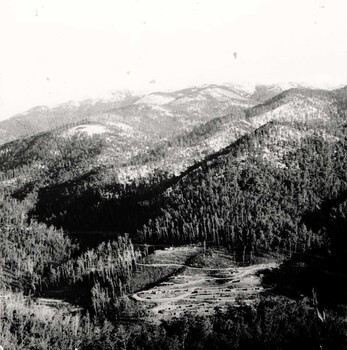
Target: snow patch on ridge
90, 129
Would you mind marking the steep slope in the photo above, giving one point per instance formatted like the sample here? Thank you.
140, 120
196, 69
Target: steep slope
255, 194
251, 195
178, 153
295, 104
79, 182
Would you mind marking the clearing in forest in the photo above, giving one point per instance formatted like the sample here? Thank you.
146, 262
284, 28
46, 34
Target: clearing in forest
203, 281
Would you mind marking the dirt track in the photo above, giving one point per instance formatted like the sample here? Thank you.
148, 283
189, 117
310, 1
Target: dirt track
199, 289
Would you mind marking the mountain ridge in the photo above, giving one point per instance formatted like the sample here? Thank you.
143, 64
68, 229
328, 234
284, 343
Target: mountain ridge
201, 101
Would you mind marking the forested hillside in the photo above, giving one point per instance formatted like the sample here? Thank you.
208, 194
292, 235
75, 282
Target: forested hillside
256, 195
266, 180
253, 194
179, 152
270, 180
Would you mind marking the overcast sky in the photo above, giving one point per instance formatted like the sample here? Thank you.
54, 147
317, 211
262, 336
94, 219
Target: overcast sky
56, 50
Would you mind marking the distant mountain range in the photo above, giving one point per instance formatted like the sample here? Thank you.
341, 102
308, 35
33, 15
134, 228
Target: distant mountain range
160, 114
166, 131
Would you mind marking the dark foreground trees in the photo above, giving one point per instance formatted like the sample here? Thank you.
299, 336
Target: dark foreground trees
275, 323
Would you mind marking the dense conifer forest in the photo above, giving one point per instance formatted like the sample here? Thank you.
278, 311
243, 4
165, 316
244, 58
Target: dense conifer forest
279, 189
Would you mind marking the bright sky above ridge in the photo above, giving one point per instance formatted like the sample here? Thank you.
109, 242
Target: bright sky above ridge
56, 50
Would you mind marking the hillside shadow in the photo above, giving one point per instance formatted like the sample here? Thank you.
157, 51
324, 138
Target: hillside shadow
297, 277
92, 208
